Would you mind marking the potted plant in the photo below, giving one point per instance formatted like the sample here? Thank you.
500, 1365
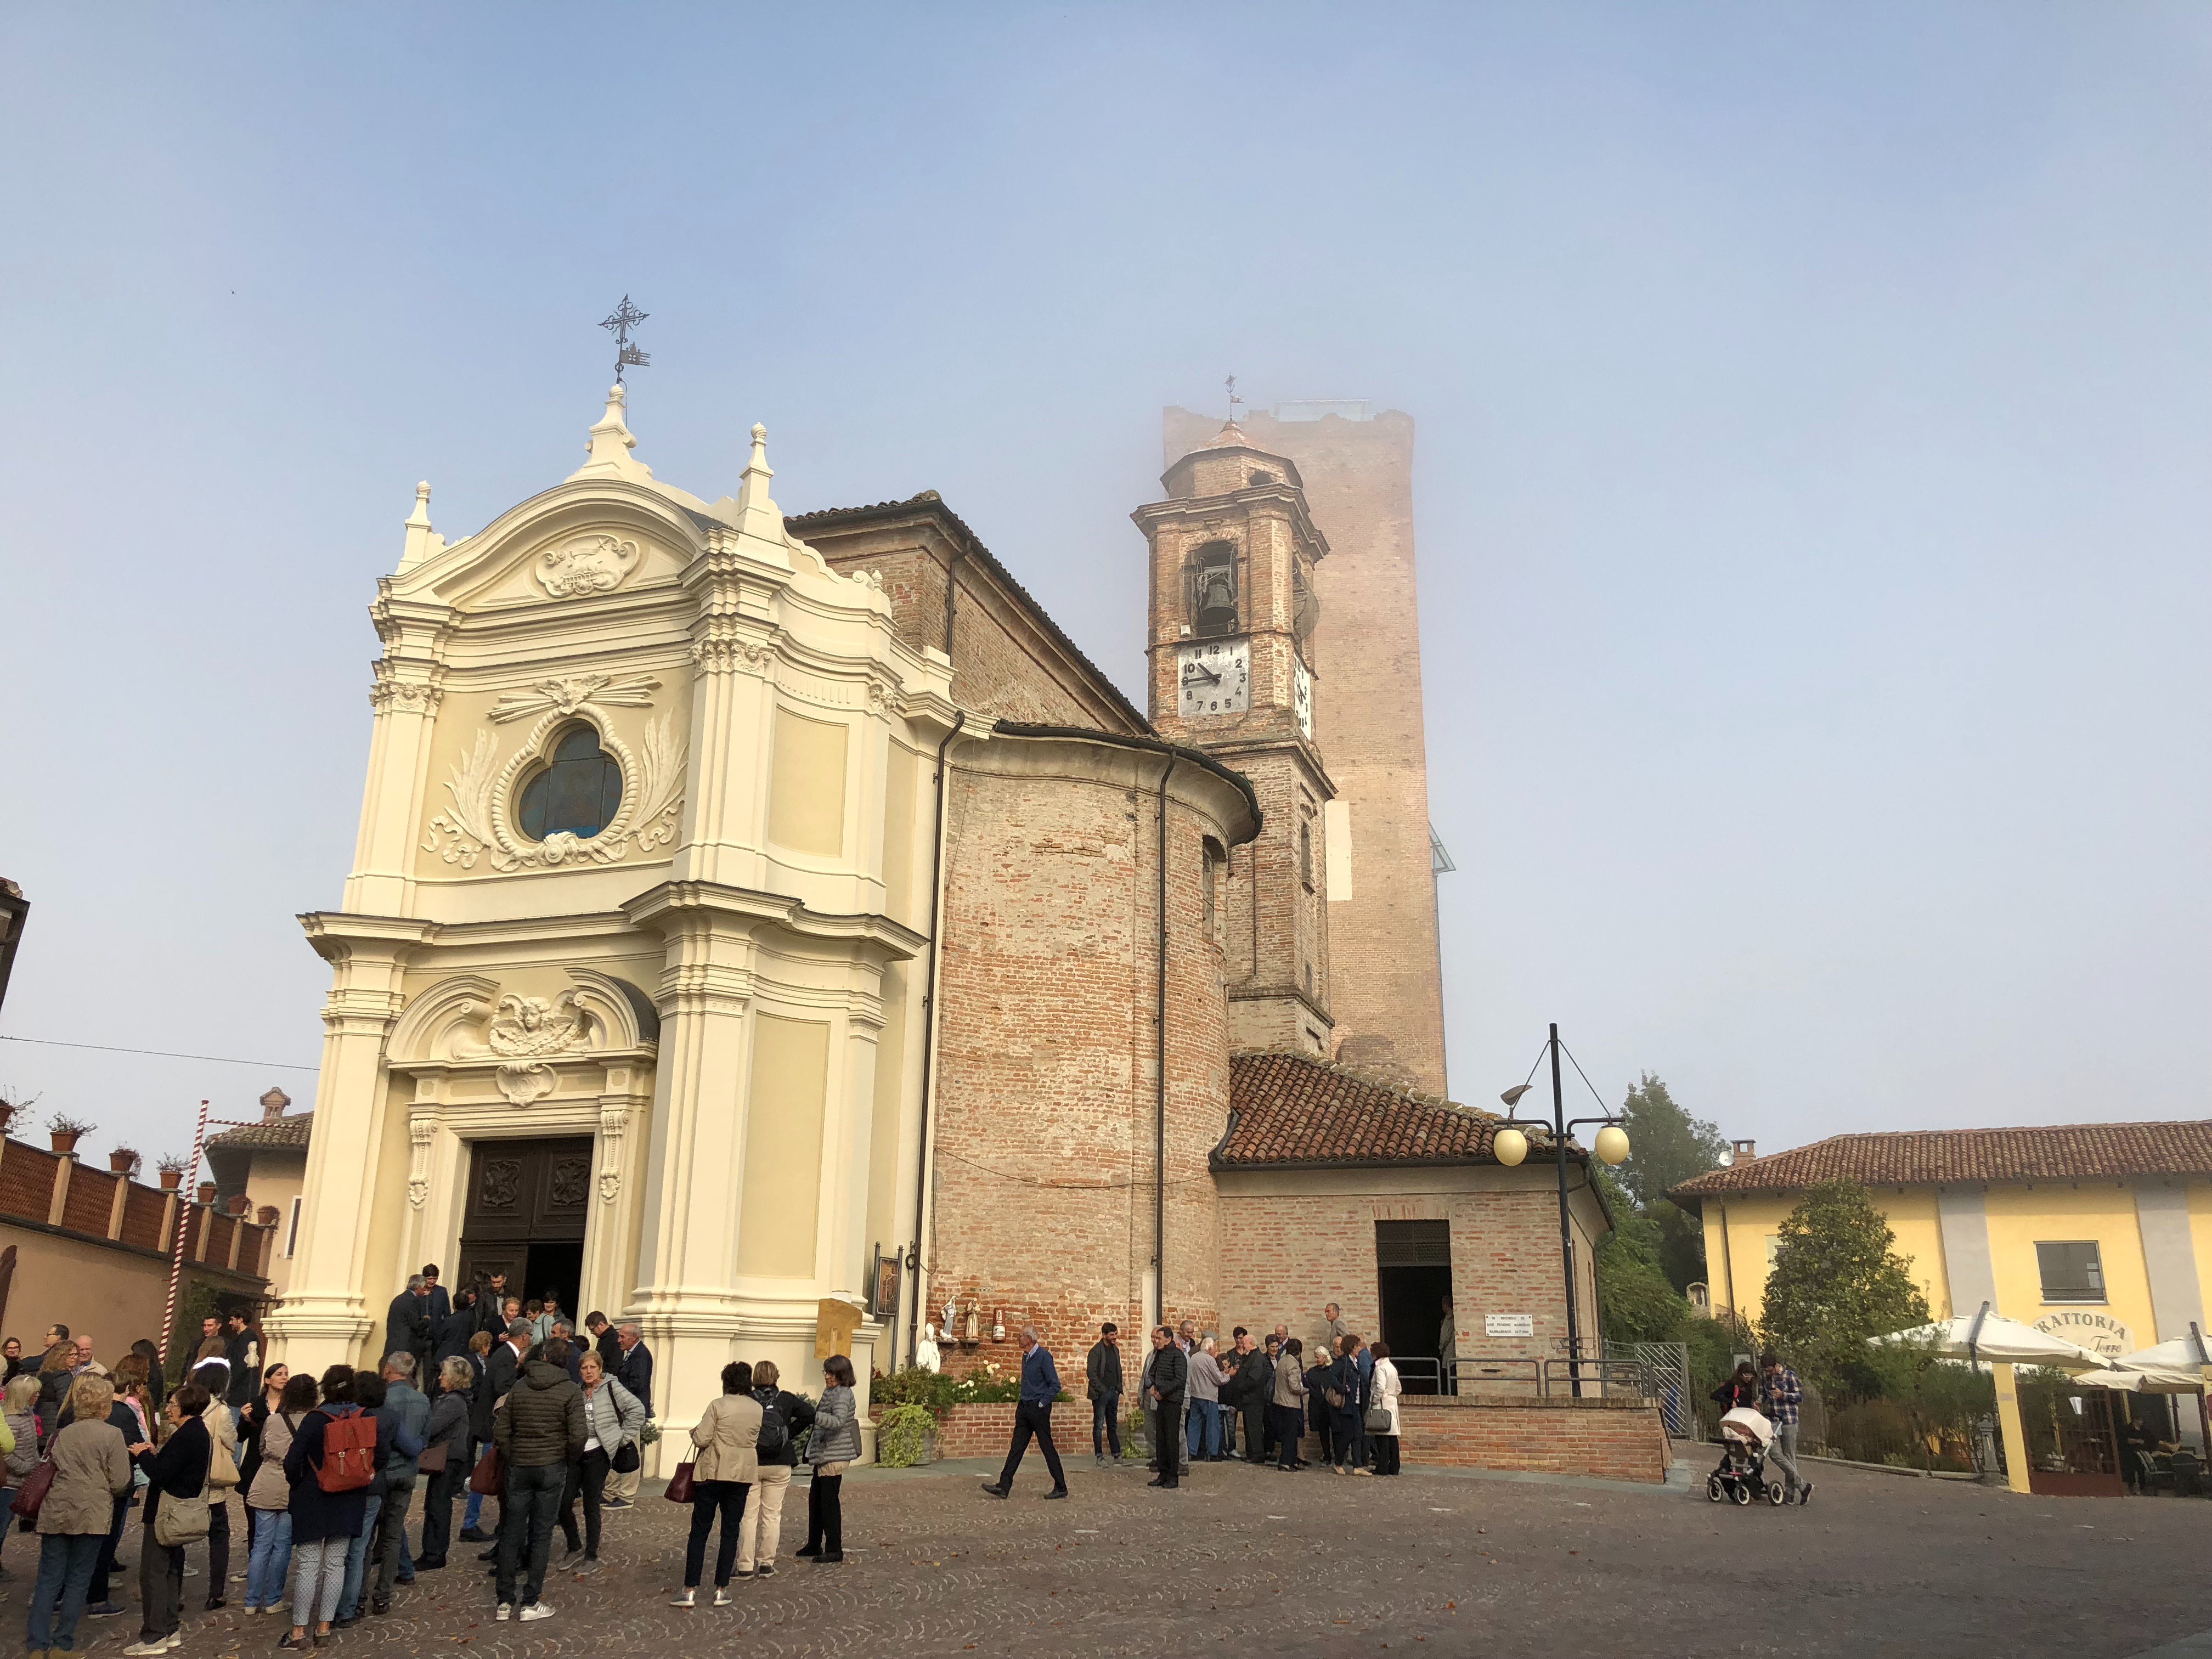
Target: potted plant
171, 1168
239, 1203
124, 1161
207, 1192
67, 1131
7, 1113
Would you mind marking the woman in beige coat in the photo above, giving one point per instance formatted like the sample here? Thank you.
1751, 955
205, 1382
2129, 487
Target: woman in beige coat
92, 1470
723, 1471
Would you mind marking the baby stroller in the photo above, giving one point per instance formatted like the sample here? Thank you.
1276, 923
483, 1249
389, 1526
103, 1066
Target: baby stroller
1745, 1436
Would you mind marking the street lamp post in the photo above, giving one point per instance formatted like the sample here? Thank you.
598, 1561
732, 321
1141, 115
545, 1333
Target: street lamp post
1510, 1146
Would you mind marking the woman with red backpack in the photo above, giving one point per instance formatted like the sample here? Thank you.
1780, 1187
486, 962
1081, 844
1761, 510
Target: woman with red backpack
330, 1463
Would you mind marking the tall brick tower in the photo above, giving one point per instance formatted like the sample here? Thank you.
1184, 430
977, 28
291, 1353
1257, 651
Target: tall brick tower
1233, 556
1387, 991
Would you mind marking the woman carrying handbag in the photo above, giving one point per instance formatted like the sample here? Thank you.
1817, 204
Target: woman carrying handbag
176, 1515
73, 1494
723, 1472
1382, 1391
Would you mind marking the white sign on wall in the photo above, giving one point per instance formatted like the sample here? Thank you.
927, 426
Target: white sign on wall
2099, 1333
1508, 1325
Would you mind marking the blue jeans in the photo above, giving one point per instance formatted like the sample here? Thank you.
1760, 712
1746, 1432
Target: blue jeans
272, 1560
1205, 1428
357, 1558
65, 1563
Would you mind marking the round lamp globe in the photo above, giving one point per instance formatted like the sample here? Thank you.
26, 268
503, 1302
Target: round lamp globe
1509, 1146
1612, 1144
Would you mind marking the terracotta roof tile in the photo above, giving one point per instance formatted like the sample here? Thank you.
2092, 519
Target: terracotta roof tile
291, 1130
2075, 1151
1287, 1110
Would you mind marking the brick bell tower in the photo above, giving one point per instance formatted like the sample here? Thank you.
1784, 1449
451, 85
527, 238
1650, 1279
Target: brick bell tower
1232, 649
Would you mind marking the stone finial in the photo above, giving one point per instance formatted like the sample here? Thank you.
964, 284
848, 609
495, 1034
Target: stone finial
422, 540
758, 513
608, 450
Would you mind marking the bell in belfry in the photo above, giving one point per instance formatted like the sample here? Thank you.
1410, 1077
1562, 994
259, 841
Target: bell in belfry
1216, 599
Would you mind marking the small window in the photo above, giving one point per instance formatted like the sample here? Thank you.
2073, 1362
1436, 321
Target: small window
1305, 855
2072, 1272
1211, 859
579, 791
292, 1231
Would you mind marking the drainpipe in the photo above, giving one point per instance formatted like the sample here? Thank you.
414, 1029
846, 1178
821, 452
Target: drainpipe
929, 1020
1160, 1087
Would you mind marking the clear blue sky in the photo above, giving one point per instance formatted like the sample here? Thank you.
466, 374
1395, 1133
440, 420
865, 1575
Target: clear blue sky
1812, 489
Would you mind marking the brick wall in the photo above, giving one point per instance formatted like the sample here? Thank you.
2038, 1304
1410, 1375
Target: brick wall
26, 1182
1043, 1165
1387, 993
142, 1218
987, 1430
1287, 1249
90, 1202
1617, 1440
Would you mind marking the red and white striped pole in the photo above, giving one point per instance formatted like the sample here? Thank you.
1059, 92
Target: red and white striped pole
185, 1190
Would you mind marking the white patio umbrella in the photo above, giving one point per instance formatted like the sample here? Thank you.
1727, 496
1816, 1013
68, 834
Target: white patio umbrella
2144, 1379
1991, 1339
2183, 1353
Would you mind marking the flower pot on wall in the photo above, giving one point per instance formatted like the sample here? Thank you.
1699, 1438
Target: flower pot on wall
121, 1161
207, 1192
65, 1140
239, 1202
172, 1179
7, 1115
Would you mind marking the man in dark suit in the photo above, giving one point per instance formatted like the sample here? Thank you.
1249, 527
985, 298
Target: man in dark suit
1255, 1388
492, 1304
1170, 1384
407, 1326
505, 1363
633, 1369
1102, 1370
1033, 1417
440, 1304
606, 1342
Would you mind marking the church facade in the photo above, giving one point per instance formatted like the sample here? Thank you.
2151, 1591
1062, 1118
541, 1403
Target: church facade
764, 927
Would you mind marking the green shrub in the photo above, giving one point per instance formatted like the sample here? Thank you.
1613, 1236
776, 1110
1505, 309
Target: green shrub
903, 1436
938, 1393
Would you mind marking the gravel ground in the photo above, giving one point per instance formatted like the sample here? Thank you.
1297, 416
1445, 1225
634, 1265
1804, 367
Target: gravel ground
1291, 1564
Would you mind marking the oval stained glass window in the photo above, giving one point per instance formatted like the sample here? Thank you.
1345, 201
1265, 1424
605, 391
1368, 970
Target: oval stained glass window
579, 791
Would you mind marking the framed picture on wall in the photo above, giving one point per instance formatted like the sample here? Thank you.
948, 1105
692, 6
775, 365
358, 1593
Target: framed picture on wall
884, 1296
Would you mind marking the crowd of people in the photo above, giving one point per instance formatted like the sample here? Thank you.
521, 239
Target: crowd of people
480, 1396
1197, 1397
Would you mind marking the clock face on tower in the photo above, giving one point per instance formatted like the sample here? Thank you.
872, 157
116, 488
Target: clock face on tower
1302, 699
1214, 677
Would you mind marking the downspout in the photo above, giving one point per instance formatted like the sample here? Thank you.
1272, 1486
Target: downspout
929, 1021
1160, 1087
1727, 1268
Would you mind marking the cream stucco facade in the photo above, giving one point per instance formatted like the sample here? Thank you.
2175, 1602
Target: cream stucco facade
712, 989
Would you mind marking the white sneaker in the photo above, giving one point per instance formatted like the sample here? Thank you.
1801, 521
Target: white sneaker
144, 1649
175, 1638
688, 1599
536, 1610
505, 1613
722, 1598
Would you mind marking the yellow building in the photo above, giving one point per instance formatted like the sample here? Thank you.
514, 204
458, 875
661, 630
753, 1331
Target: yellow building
2101, 1233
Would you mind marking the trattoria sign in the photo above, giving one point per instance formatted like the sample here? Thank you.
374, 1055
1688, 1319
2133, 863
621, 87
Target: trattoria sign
2099, 1333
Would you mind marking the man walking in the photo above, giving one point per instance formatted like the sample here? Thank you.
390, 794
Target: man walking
1170, 1384
1102, 1377
1448, 1350
633, 1369
1780, 1395
539, 1434
1033, 1416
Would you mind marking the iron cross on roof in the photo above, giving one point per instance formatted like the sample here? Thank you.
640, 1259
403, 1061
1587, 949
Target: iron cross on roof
626, 317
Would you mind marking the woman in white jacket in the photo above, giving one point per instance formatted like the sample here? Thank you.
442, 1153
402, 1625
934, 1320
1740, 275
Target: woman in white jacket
1382, 1392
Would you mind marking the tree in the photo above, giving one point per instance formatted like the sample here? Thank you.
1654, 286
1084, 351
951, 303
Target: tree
1635, 1301
1666, 1147
1837, 1282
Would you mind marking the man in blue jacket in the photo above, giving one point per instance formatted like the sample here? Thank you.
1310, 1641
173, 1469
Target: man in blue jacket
1033, 1417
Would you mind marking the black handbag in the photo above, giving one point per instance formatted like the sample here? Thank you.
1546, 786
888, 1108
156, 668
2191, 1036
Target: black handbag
626, 1460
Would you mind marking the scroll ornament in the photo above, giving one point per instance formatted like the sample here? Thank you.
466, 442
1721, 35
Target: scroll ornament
477, 825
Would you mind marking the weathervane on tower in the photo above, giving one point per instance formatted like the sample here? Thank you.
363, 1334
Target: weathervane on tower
1234, 400
626, 317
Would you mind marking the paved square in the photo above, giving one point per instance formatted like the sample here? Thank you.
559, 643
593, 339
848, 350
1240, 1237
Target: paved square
1254, 1562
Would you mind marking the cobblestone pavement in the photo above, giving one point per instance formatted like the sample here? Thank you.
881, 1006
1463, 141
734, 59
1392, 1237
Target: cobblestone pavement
1292, 1565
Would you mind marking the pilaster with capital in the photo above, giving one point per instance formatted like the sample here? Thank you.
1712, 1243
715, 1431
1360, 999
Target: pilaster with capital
408, 688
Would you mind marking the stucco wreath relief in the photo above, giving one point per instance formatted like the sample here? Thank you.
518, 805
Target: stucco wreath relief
479, 823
